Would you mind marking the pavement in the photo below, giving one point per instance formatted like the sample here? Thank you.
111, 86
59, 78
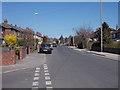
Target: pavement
104, 54
32, 60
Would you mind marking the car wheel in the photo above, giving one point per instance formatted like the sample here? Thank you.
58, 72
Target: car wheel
50, 52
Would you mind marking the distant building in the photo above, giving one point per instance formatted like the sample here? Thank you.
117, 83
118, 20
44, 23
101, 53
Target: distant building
116, 34
39, 37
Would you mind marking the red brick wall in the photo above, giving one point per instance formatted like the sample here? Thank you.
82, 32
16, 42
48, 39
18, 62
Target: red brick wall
22, 53
8, 57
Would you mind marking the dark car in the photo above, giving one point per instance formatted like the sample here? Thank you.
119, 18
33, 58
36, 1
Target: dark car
45, 48
54, 45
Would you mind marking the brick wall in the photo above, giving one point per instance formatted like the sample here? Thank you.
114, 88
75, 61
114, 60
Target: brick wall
8, 57
22, 53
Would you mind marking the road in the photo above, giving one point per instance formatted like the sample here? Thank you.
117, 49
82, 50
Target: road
66, 68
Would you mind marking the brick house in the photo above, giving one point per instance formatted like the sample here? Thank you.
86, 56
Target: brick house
10, 29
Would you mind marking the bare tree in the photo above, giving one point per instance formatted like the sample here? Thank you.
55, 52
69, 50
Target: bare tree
83, 34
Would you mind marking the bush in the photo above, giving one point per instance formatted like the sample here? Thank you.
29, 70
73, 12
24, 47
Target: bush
113, 45
10, 39
21, 42
17, 49
80, 45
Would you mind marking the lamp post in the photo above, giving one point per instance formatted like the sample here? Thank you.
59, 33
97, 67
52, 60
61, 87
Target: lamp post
35, 32
101, 25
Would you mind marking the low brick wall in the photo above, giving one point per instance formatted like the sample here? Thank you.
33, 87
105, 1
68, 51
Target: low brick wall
8, 57
22, 53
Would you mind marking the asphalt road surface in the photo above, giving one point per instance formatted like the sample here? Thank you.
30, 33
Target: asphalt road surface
66, 68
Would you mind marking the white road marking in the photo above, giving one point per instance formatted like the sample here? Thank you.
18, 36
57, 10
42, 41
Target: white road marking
45, 64
48, 83
36, 78
37, 68
47, 74
37, 71
45, 70
49, 88
36, 74
35, 83
47, 78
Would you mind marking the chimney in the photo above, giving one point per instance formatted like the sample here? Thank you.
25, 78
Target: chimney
116, 27
6, 20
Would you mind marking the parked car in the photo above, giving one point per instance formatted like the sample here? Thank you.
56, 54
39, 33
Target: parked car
45, 48
54, 45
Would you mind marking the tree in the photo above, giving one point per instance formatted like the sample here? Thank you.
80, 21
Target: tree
29, 37
44, 39
82, 35
106, 34
61, 39
10, 40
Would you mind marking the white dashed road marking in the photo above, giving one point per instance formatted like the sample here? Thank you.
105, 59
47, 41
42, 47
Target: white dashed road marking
36, 71
47, 74
45, 70
36, 78
47, 77
48, 82
35, 83
49, 87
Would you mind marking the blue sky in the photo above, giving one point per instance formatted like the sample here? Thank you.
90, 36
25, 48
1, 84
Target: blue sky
59, 18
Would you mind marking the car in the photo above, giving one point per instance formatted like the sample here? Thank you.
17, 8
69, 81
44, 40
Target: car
45, 48
54, 45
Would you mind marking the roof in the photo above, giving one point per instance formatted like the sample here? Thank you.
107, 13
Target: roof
10, 26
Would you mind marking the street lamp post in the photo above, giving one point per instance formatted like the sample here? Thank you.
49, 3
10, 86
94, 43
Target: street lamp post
101, 25
35, 31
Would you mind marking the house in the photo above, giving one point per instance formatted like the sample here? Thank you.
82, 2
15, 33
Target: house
39, 37
115, 35
10, 29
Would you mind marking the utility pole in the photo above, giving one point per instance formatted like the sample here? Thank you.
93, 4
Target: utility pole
73, 41
101, 25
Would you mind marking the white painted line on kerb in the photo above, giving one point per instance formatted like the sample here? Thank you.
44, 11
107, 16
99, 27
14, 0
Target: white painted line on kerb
47, 74
35, 83
36, 74
48, 83
47, 78
45, 70
36, 78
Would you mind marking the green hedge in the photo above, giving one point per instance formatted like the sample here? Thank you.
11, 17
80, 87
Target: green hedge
112, 45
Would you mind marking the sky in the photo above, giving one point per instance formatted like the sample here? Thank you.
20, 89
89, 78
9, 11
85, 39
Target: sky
59, 18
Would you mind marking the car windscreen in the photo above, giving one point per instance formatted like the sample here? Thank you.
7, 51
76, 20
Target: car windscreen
48, 45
